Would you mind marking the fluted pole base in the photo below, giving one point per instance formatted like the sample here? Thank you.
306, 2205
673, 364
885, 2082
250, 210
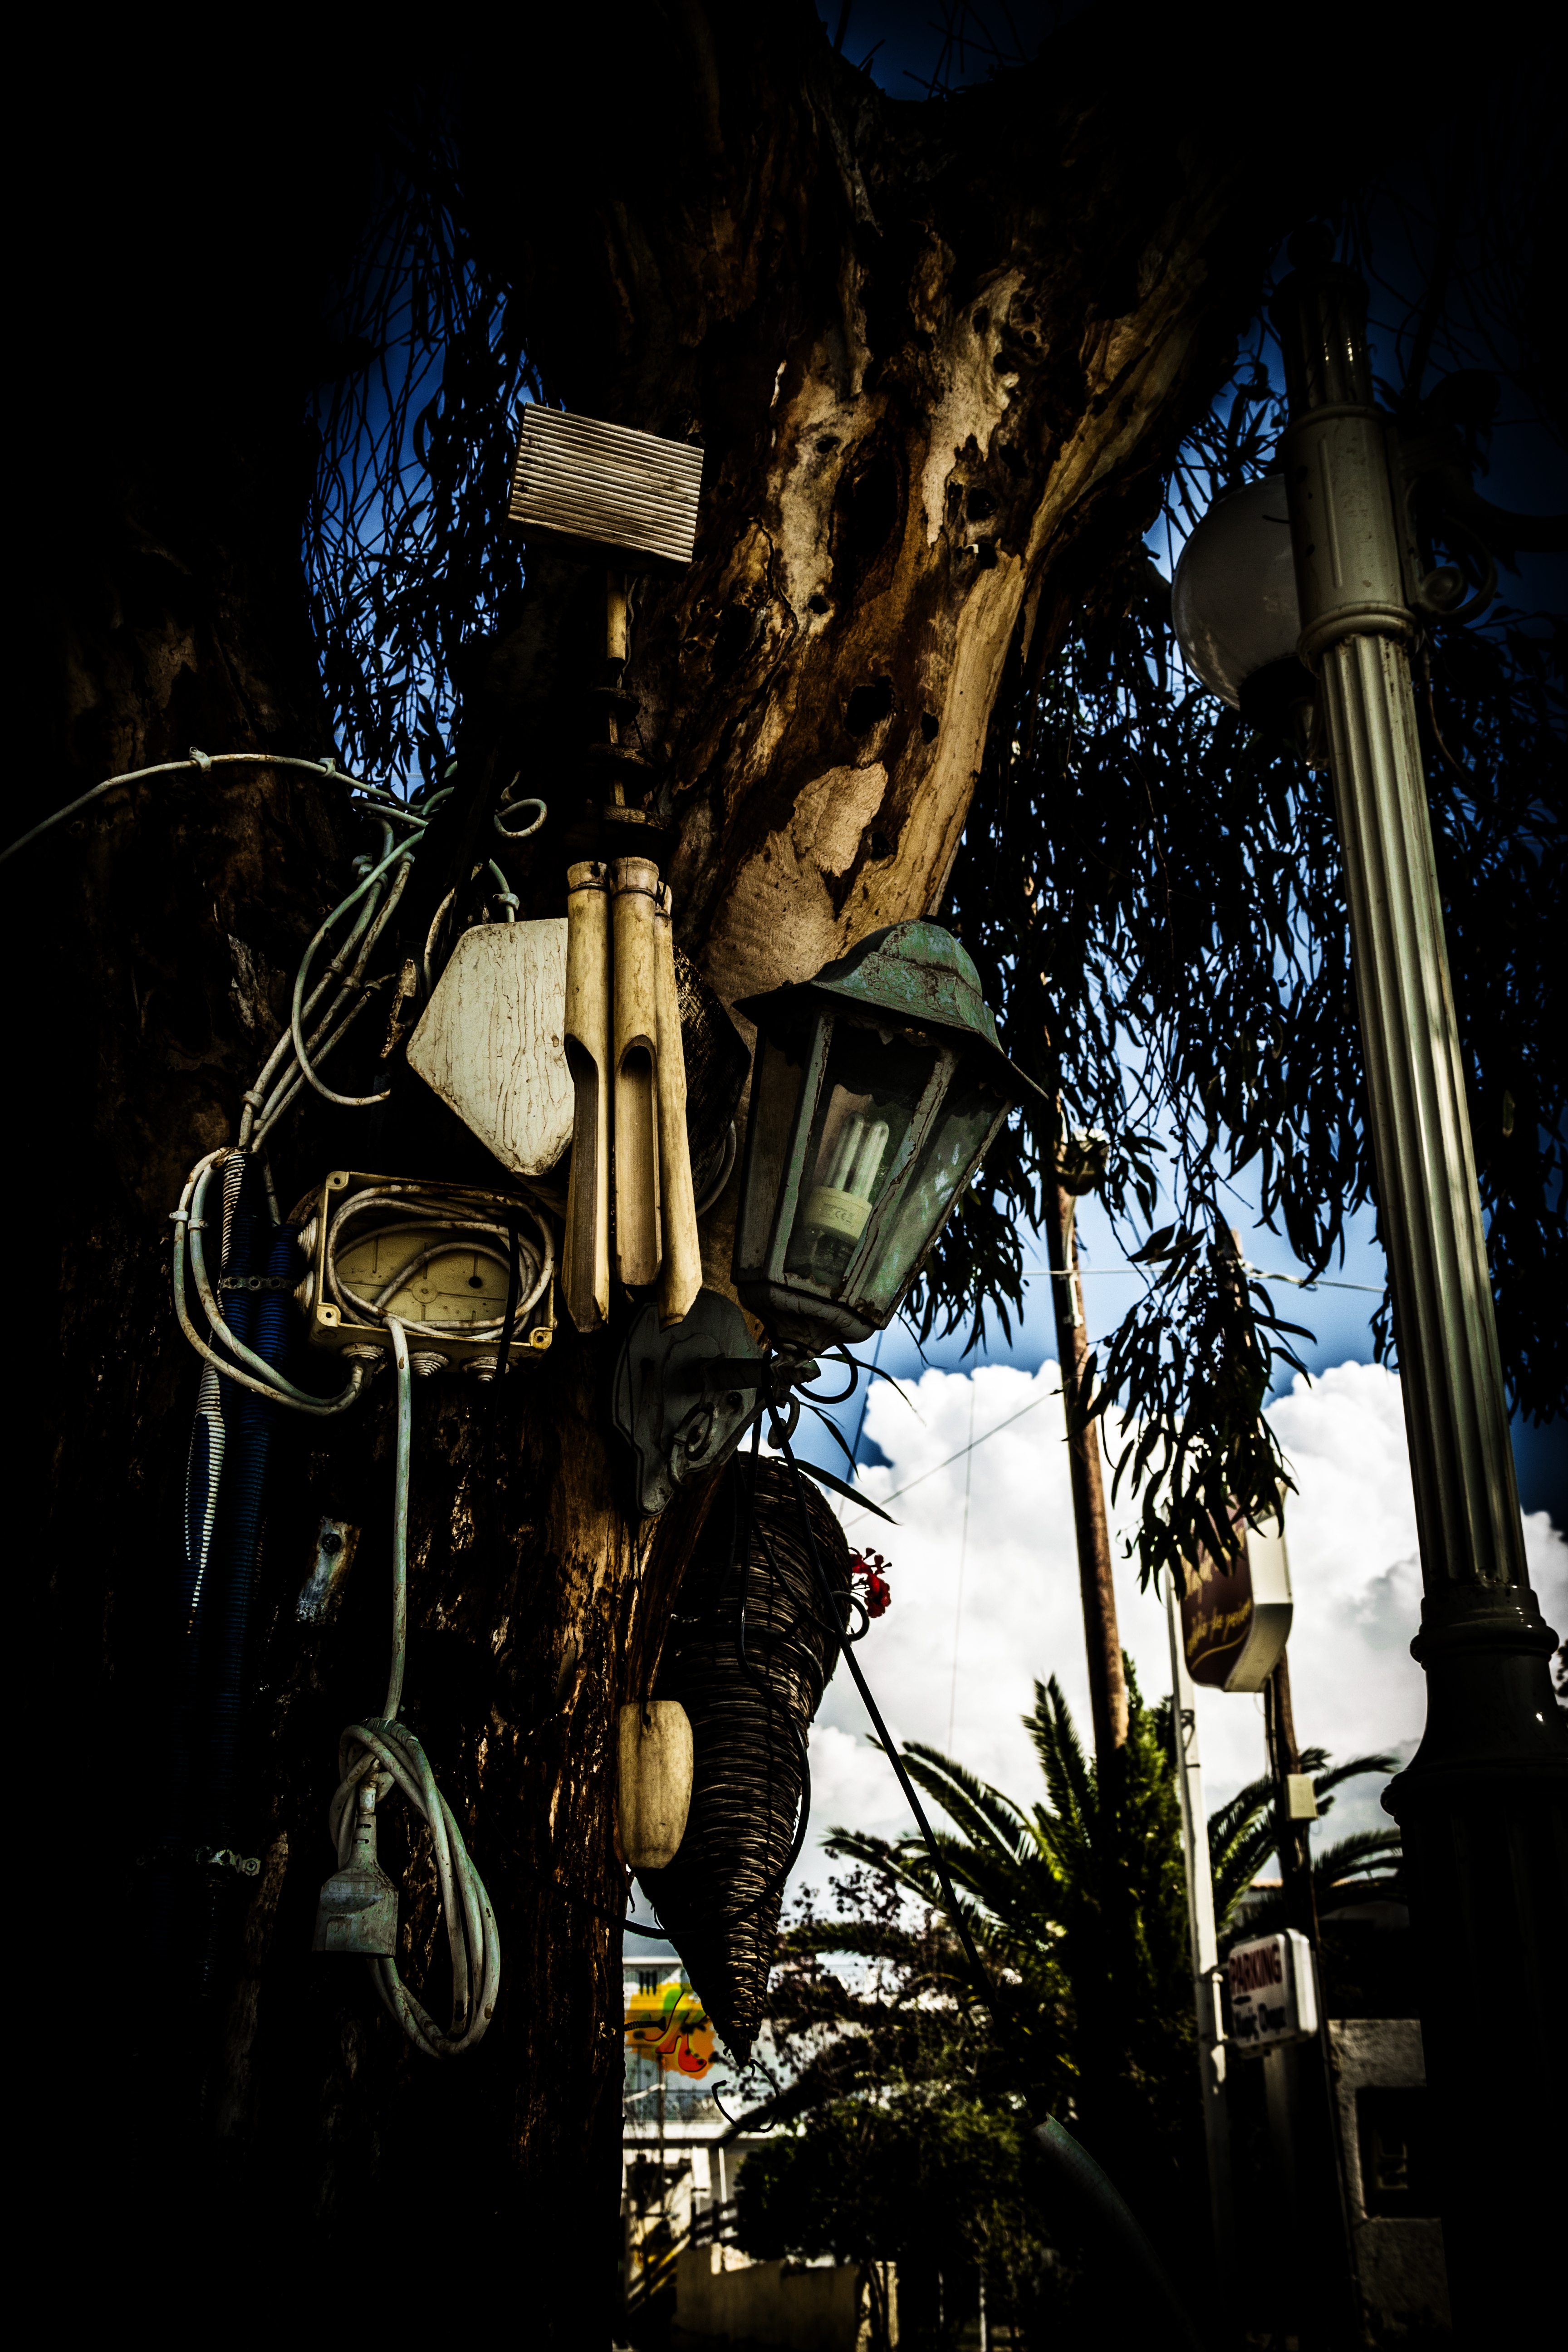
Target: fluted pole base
1483, 1803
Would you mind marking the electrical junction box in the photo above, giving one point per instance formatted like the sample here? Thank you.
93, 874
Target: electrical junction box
1273, 1993
435, 1255
606, 491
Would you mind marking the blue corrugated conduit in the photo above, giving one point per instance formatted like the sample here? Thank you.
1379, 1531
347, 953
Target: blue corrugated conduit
231, 1438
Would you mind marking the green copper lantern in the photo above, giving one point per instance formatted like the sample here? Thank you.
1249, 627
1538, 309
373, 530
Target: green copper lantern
877, 1089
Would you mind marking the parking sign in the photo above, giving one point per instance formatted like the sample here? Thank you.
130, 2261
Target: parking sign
1273, 1993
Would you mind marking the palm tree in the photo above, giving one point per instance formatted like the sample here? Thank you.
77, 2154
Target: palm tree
1242, 1835
1077, 1905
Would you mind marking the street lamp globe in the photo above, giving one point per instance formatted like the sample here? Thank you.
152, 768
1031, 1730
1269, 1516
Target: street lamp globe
1233, 599
877, 1089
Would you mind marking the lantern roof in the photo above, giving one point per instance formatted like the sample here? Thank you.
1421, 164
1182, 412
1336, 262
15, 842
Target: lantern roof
916, 972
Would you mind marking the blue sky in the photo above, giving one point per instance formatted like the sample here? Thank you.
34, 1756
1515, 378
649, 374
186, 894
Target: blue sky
1338, 1318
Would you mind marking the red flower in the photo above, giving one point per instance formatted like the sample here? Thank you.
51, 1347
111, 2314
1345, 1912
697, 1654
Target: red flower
870, 1570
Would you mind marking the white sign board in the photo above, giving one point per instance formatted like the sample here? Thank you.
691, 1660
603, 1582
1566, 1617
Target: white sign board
1273, 1993
1236, 1614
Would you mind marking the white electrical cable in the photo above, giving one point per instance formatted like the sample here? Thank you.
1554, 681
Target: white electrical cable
507, 898
384, 1751
187, 1221
385, 800
285, 1090
293, 1085
260, 1106
295, 1062
202, 760
296, 1010
511, 807
263, 1109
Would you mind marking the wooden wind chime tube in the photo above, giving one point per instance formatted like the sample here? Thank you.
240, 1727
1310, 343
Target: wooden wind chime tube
586, 1270
630, 1150
637, 1109
680, 1274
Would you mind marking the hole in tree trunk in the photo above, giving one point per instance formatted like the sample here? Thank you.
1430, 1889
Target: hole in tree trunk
869, 704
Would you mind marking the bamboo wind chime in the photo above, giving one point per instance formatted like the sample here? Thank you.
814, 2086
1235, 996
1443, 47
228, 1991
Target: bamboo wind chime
588, 487
630, 1192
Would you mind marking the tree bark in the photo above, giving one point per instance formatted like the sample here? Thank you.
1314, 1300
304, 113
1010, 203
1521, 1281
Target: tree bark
939, 359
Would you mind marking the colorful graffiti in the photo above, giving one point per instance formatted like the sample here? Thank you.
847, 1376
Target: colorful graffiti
670, 2023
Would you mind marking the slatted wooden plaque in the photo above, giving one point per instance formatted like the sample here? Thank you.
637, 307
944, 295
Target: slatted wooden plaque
595, 489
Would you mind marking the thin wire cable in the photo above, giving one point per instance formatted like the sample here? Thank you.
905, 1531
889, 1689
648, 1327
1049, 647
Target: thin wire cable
459, 1213
865, 1402
301, 1052
962, 1557
1033, 1405
321, 1044
266, 1109
202, 760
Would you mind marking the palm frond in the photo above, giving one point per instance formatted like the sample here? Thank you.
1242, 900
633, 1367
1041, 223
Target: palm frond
1349, 1856
983, 1812
1385, 1766
1069, 1777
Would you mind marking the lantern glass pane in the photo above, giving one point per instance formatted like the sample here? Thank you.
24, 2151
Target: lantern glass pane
957, 1138
870, 1091
775, 1098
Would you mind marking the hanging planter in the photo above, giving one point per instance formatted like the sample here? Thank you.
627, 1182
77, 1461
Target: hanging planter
749, 1654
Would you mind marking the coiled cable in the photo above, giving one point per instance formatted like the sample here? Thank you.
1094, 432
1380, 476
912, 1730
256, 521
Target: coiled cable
382, 1750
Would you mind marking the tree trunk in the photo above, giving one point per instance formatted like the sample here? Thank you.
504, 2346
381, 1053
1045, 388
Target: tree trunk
939, 359
1103, 1640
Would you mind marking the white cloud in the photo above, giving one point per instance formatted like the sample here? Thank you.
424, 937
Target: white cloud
1351, 1534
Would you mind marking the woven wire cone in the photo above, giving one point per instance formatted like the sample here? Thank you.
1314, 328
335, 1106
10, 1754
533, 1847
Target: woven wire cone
721, 1897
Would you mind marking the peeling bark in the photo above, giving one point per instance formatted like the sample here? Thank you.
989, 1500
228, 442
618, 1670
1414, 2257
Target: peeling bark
939, 359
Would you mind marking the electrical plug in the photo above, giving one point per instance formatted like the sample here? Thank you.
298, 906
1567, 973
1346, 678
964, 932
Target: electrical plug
358, 1906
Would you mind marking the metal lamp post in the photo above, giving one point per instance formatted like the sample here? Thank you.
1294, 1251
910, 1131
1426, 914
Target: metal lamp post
1482, 1804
